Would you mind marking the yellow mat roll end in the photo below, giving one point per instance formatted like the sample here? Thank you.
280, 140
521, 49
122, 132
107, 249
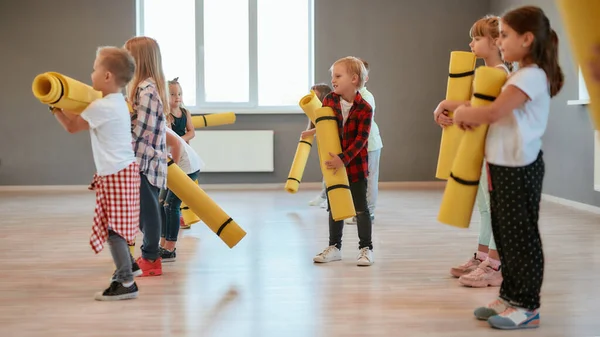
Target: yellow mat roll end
580, 18
309, 104
298, 164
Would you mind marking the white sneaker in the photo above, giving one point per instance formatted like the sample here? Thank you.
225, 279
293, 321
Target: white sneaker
317, 201
324, 204
350, 221
365, 257
330, 254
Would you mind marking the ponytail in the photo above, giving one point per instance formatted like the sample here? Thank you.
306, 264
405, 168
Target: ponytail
550, 64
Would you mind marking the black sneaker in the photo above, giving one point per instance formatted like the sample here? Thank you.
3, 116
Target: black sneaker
135, 269
116, 291
168, 256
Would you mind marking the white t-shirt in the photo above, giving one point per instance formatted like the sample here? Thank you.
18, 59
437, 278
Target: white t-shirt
346, 106
190, 161
375, 142
110, 131
516, 139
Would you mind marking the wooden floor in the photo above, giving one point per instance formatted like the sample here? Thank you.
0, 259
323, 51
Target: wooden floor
268, 284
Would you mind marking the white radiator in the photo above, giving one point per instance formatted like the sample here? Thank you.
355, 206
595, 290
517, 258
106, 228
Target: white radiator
235, 150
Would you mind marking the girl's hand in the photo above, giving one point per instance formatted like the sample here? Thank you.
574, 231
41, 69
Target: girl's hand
439, 110
444, 120
308, 133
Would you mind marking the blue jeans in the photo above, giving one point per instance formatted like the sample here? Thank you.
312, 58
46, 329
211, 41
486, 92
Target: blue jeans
171, 213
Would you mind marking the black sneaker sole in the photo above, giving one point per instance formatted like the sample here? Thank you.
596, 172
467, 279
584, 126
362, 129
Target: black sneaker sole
129, 296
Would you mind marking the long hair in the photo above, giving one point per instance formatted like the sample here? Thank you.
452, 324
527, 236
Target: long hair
148, 59
544, 49
488, 26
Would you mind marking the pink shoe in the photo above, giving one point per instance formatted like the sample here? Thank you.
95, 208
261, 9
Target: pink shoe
482, 277
465, 268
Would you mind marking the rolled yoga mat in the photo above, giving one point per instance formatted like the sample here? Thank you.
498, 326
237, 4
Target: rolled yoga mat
206, 209
297, 170
460, 79
189, 217
461, 189
338, 186
308, 104
63, 92
216, 119
580, 18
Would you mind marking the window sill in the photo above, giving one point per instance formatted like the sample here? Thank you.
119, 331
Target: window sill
578, 102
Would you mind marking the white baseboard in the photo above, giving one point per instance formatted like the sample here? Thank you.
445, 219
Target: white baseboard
388, 185
570, 203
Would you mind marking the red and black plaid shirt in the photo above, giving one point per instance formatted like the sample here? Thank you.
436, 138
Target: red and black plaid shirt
354, 135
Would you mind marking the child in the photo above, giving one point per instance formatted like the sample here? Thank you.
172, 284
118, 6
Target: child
186, 158
147, 95
180, 119
483, 269
517, 121
117, 181
354, 116
321, 90
375, 144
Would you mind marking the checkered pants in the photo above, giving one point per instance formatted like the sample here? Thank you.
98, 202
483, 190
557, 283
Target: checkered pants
117, 206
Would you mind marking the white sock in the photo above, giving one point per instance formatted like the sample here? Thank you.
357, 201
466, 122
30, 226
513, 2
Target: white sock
128, 284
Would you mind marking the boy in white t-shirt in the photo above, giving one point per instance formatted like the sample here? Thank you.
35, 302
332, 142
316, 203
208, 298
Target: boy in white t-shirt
190, 163
117, 181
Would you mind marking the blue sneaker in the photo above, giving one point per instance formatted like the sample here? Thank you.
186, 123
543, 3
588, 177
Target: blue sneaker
515, 318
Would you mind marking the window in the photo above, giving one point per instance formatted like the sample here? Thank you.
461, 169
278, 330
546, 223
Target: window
247, 56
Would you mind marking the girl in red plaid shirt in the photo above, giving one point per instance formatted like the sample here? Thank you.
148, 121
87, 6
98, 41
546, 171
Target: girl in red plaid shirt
354, 116
117, 181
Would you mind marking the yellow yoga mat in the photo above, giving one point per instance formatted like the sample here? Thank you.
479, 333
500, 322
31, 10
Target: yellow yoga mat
580, 18
461, 190
308, 104
216, 119
63, 92
199, 202
458, 88
189, 217
338, 186
297, 170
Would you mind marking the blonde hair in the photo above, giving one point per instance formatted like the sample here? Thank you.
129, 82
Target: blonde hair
488, 26
354, 66
146, 53
175, 81
118, 62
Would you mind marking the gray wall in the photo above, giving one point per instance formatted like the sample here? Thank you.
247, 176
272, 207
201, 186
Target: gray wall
407, 43
569, 140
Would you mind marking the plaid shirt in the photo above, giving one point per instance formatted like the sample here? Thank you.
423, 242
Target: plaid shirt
354, 134
148, 129
117, 206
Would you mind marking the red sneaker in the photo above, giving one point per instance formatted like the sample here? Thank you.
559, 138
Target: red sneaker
182, 224
150, 268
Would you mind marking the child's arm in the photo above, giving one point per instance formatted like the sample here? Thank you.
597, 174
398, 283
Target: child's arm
189, 126
71, 122
175, 146
510, 99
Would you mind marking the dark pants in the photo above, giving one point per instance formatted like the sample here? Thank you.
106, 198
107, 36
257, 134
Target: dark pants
515, 197
171, 213
363, 218
150, 218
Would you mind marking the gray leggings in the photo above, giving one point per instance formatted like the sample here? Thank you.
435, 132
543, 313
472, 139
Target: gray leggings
121, 256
